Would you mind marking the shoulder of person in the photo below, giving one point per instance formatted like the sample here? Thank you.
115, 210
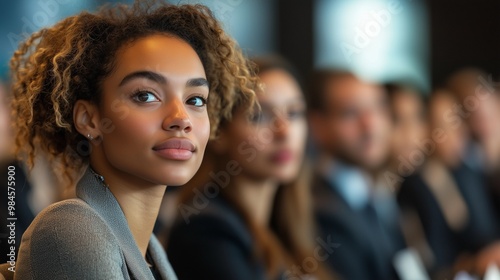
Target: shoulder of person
70, 216
215, 239
217, 218
412, 186
70, 238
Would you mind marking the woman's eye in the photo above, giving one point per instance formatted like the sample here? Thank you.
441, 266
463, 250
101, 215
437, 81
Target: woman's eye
145, 97
261, 117
197, 101
256, 118
296, 114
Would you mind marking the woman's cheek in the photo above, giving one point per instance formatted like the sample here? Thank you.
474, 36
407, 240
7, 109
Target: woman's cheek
202, 130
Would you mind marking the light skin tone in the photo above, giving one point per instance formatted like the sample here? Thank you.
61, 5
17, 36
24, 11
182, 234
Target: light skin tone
150, 128
273, 143
355, 125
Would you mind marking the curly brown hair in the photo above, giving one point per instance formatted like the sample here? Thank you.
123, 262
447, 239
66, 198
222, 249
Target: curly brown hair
59, 65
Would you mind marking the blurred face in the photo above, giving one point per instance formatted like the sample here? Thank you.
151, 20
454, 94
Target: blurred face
153, 119
4, 122
355, 124
409, 124
270, 145
451, 148
484, 120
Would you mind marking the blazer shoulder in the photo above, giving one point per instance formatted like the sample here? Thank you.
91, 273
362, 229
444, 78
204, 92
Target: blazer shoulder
71, 214
412, 187
217, 219
214, 239
70, 238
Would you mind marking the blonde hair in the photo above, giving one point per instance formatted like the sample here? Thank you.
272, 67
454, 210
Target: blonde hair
59, 65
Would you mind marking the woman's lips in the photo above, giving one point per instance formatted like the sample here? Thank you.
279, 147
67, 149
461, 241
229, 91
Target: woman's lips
175, 149
281, 157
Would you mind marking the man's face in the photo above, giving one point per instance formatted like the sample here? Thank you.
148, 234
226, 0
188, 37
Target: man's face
355, 124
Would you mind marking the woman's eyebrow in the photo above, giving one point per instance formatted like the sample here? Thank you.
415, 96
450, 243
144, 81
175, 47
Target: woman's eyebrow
158, 78
197, 82
150, 75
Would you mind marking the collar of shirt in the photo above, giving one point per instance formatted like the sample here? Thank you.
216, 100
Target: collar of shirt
350, 182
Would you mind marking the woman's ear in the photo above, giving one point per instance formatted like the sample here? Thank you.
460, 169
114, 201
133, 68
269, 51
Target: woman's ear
86, 119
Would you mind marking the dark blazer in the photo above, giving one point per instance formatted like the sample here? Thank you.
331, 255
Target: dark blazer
214, 244
86, 238
493, 181
446, 244
366, 247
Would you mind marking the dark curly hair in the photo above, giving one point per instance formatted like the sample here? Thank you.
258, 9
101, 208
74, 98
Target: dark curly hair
59, 65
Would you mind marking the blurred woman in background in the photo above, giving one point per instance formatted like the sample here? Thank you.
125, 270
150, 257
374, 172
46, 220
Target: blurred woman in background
409, 130
256, 221
409, 125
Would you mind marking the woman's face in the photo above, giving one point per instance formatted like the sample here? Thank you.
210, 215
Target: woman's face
271, 145
454, 139
409, 124
153, 119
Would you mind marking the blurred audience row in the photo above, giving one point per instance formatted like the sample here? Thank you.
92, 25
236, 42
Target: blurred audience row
334, 178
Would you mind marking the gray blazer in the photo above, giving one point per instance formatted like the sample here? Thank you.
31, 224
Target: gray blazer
86, 238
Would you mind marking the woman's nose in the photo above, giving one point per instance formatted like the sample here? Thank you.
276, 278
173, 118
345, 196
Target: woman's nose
177, 118
281, 127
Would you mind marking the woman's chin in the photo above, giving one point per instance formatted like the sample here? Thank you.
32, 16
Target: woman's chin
177, 180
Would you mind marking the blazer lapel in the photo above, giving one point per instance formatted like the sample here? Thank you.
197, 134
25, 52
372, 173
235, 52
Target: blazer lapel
160, 259
100, 198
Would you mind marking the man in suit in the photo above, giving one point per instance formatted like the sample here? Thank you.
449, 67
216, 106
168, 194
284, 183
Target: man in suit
350, 123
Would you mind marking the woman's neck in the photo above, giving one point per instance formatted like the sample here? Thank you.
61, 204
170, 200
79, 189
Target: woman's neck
257, 197
139, 201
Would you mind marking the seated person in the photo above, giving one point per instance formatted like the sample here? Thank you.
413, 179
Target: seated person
449, 198
350, 123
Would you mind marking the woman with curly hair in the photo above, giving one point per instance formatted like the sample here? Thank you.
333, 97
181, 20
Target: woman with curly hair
128, 96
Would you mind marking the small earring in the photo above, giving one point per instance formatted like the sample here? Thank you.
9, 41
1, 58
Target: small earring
90, 137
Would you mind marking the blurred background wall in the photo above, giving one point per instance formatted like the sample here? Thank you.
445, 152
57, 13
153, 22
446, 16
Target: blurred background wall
417, 41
